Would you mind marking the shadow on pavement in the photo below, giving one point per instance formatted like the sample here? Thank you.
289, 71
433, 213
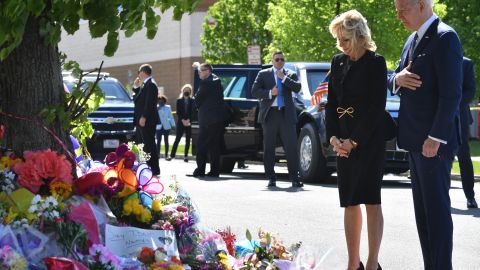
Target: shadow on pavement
466, 212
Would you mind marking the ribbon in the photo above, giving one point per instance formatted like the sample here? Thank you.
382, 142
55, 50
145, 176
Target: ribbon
64, 147
341, 111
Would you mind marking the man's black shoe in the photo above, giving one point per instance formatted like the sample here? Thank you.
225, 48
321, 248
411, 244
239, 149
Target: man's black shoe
297, 184
272, 183
198, 173
185, 159
471, 203
211, 174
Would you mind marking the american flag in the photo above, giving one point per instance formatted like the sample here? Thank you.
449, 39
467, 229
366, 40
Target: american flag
319, 92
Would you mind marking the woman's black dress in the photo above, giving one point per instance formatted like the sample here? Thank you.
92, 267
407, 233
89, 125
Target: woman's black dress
355, 110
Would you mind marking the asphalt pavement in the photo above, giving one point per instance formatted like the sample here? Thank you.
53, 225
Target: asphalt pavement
313, 216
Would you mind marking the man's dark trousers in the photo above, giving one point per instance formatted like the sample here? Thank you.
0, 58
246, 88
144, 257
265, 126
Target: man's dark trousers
465, 162
209, 141
147, 134
430, 186
274, 124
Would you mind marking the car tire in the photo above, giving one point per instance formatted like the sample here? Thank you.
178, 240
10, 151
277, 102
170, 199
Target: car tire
312, 165
227, 164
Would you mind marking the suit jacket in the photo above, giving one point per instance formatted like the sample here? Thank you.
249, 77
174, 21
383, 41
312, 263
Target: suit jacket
468, 92
166, 118
181, 113
209, 101
145, 100
264, 82
362, 87
433, 108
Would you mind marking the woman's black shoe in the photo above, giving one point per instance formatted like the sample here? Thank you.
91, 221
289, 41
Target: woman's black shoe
361, 267
379, 267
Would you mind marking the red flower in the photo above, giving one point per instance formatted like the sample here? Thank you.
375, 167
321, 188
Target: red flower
147, 255
42, 168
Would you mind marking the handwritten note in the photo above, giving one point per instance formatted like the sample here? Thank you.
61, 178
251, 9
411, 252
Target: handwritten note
128, 241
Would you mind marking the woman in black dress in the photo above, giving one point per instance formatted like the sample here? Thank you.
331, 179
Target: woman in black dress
184, 114
355, 117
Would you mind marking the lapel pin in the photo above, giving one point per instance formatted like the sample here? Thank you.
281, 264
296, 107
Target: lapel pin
341, 63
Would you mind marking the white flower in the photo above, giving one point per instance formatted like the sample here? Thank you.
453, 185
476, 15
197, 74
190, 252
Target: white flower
33, 208
160, 256
10, 175
51, 201
36, 199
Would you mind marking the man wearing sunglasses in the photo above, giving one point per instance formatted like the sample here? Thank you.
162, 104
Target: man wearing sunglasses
273, 88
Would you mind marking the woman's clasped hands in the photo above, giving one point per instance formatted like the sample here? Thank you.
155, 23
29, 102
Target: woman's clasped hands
342, 147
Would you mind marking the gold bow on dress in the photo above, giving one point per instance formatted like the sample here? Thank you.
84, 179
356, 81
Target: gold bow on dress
341, 111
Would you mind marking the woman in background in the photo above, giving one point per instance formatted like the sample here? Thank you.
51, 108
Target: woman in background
166, 124
355, 128
184, 114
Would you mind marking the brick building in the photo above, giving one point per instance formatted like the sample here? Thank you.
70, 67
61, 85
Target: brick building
171, 53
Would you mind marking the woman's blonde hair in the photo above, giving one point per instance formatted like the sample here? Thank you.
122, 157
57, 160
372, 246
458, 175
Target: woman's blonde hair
184, 88
353, 26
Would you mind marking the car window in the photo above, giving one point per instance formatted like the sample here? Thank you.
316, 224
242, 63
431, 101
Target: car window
314, 78
112, 90
234, 86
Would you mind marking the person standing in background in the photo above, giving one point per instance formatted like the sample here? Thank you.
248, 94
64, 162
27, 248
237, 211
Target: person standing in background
466, 119
145, 114
165, 125
274, 88
211, 120
184, 114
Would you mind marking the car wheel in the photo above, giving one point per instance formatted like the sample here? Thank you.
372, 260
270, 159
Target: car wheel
313, 166
227, 165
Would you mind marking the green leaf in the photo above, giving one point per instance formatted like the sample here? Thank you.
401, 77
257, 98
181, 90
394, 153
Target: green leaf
112, 44
248, 235
36, 7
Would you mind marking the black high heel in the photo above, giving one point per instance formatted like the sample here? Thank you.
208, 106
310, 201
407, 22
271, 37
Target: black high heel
361, 267
379, 267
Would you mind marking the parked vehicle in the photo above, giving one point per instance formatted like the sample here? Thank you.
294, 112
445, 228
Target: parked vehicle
113, 120
243, 135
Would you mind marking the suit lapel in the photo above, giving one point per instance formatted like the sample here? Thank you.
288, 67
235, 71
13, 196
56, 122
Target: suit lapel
426, 38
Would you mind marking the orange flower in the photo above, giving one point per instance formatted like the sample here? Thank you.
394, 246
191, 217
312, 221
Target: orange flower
147, 255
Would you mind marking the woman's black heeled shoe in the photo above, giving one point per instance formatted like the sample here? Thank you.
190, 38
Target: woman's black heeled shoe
361, 267
379, 267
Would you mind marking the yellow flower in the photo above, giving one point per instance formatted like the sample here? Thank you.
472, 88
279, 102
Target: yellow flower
60, 189
157, 205
127, 209
175, 267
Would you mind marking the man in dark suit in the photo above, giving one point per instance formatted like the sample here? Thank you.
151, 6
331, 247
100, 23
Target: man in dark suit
429, 81
273, 87
466, 119
211, 119
145, 114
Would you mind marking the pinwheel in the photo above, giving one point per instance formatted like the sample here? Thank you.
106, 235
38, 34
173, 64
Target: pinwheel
141, 184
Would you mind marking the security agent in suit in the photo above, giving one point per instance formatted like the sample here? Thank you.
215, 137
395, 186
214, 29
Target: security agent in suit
429, 80
145, 114
211, 119
466, 119
273, 87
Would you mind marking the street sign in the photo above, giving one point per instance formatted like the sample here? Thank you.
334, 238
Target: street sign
254, 55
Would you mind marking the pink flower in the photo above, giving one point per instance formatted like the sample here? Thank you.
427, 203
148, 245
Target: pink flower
182, 208
42, 168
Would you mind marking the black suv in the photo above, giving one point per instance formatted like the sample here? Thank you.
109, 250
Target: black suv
113, 120
243, 135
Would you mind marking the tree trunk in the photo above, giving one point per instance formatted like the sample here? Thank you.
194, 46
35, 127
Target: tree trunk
30, 80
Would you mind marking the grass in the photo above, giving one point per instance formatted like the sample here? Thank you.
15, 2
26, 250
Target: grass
180, 150
474, 152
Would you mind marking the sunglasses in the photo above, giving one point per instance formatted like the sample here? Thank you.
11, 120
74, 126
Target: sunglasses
279, 59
